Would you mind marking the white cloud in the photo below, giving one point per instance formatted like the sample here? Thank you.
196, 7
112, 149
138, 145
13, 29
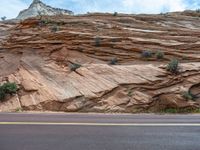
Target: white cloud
153, 6
11, 8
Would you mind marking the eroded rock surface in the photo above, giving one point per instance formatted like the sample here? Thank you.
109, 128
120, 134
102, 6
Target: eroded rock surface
37, 57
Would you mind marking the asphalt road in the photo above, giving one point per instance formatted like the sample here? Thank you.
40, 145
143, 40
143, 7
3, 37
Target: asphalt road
99, 132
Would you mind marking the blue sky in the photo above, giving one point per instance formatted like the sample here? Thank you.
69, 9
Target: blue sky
11, 8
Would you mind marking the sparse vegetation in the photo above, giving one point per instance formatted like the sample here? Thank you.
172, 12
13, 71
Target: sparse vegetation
74, 66
147, 54
170, 110
196, 110
43, 22
159, 55
2, 94
18, 110
97, 41
54, 28
188, 96
130, 93
113, 61
3, 18
198, 10
115, 14
7, 88
173, 66
184, 58
181, 110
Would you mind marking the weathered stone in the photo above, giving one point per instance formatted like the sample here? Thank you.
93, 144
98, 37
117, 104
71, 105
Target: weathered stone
138, 97
38, 60
175, 101
119, 98
12, 104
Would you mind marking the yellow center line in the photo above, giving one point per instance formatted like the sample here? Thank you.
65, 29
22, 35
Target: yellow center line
100, 124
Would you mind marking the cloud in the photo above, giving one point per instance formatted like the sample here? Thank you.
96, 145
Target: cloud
11, 8
127, 6
153, 6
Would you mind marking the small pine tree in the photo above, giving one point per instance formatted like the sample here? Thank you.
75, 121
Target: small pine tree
54, 28
3, 18
74, 66
147, 54
7, 88
97, 41
198, 10
115, 14
113, 61
159, 55
188, 96
173, 66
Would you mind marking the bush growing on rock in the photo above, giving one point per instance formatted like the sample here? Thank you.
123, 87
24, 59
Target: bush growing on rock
74, 67
147, 54
97, 41
198, 10
159, 55
115, 14
7, 88
3, 18
170, 110
54, 28
173, 66
43, 22
188, 96
113, 61
2, 94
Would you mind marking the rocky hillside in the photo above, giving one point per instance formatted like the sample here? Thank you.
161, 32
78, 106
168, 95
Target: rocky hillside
39, 8
102, 63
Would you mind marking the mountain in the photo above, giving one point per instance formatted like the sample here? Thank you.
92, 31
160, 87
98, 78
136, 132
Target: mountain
102, 63
39, 8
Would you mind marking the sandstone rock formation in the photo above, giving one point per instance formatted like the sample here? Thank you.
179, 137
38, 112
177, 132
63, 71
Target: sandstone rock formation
37, 54
39, 8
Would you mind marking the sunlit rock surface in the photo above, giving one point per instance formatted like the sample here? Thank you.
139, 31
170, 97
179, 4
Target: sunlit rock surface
37, 54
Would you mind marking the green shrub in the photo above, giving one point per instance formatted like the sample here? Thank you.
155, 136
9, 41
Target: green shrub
3, 18
7, 88
43, 22
97, 41
130, 93
74, 67
147, 54
188, 96
115, 14
170, 110
181, 110
113, 61
159, 55
54, 28
2, 94
198, 10
173, 66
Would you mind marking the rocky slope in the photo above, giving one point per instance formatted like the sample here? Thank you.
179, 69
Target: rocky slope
38, 54
39, 8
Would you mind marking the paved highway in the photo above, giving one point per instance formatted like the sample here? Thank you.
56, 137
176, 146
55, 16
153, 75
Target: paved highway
58, 131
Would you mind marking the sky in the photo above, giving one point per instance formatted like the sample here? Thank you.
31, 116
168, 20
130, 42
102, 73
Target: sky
11, 8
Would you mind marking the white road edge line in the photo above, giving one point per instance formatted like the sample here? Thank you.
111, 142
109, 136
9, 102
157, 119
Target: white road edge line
101, 124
